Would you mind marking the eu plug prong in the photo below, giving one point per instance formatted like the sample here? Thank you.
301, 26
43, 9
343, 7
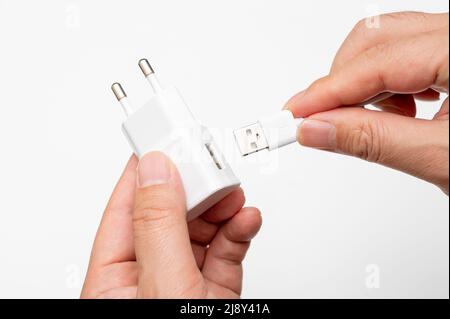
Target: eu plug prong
149, 74
122, 98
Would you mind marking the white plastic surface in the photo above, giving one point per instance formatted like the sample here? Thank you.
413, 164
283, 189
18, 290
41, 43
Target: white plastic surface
280, 129
166, 124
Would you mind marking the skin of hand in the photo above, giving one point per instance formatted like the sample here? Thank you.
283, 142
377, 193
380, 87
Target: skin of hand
406, 55
145, 248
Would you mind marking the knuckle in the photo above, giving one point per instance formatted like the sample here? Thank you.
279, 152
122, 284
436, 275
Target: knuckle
375, 51
158, 208
366, 141
317, 85
362, 34
236, 256
145, 216
360, 27
363, 29
415, 16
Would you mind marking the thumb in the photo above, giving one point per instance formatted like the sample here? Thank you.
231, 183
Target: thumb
417, 147
166, 264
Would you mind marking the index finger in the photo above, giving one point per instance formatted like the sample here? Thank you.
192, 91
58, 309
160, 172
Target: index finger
390, 27
400, 67
114, 239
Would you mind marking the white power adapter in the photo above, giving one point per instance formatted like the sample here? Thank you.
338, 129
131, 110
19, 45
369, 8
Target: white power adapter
166, 124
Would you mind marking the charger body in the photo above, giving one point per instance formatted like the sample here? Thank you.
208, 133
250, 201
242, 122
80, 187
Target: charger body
166, 124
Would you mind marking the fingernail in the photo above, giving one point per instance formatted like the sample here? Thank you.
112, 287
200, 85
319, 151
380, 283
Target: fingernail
317, 134
153, 169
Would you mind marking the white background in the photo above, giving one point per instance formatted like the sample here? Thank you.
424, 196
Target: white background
326, 217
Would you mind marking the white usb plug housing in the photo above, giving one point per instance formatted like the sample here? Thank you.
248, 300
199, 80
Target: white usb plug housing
268, 133
277, 130
166, 124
